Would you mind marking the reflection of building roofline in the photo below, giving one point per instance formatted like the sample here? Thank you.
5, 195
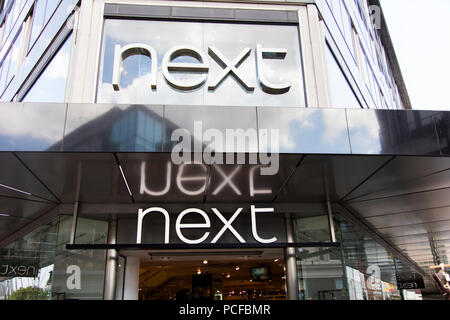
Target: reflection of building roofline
96, 125
101, 123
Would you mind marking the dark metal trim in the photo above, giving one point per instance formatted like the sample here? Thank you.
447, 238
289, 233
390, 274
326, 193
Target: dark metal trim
199, 13
201, 246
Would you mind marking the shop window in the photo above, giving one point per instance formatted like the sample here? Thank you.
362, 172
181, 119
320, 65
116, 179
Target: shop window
319, 270
369, 267
51, 84
32, 256
320, 274
89, 263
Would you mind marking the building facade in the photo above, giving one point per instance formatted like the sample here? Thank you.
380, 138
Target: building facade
189, 150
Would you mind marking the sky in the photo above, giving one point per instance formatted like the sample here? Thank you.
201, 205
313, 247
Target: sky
420, 31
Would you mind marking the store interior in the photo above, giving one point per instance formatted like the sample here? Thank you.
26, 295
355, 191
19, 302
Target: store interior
213, 275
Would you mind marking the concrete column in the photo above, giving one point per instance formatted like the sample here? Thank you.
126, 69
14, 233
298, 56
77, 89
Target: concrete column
111, 264
291, 263
131, 283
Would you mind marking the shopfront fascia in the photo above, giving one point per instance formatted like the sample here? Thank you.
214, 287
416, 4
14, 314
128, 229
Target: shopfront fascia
101, 178
203, 231
218, 54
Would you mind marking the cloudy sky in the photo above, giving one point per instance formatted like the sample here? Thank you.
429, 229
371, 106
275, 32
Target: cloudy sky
420, 31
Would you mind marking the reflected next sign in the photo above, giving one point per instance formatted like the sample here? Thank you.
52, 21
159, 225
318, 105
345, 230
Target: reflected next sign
18, 270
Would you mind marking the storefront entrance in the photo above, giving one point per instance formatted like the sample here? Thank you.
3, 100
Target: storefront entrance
213, 275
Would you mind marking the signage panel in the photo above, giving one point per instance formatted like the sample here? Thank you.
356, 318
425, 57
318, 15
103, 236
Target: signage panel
200, 63
192, 226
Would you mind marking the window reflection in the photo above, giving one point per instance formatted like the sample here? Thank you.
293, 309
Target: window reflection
10, 63
5, 68
360, 269
51, 84
312, 229
42, 12
38, 20
319, 270
230, 39
137, 131
35, 254
11, 18
369, 267
341, 94
320, 274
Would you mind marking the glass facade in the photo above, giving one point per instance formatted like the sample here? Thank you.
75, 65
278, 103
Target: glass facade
59, 274
10, 63
320, 274
342, 95
51, 84
369, 267
31, 32
31, 22
357, 269
42, 12
35, 250
358, 26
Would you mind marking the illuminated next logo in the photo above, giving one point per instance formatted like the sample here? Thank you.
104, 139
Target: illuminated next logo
205, 225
